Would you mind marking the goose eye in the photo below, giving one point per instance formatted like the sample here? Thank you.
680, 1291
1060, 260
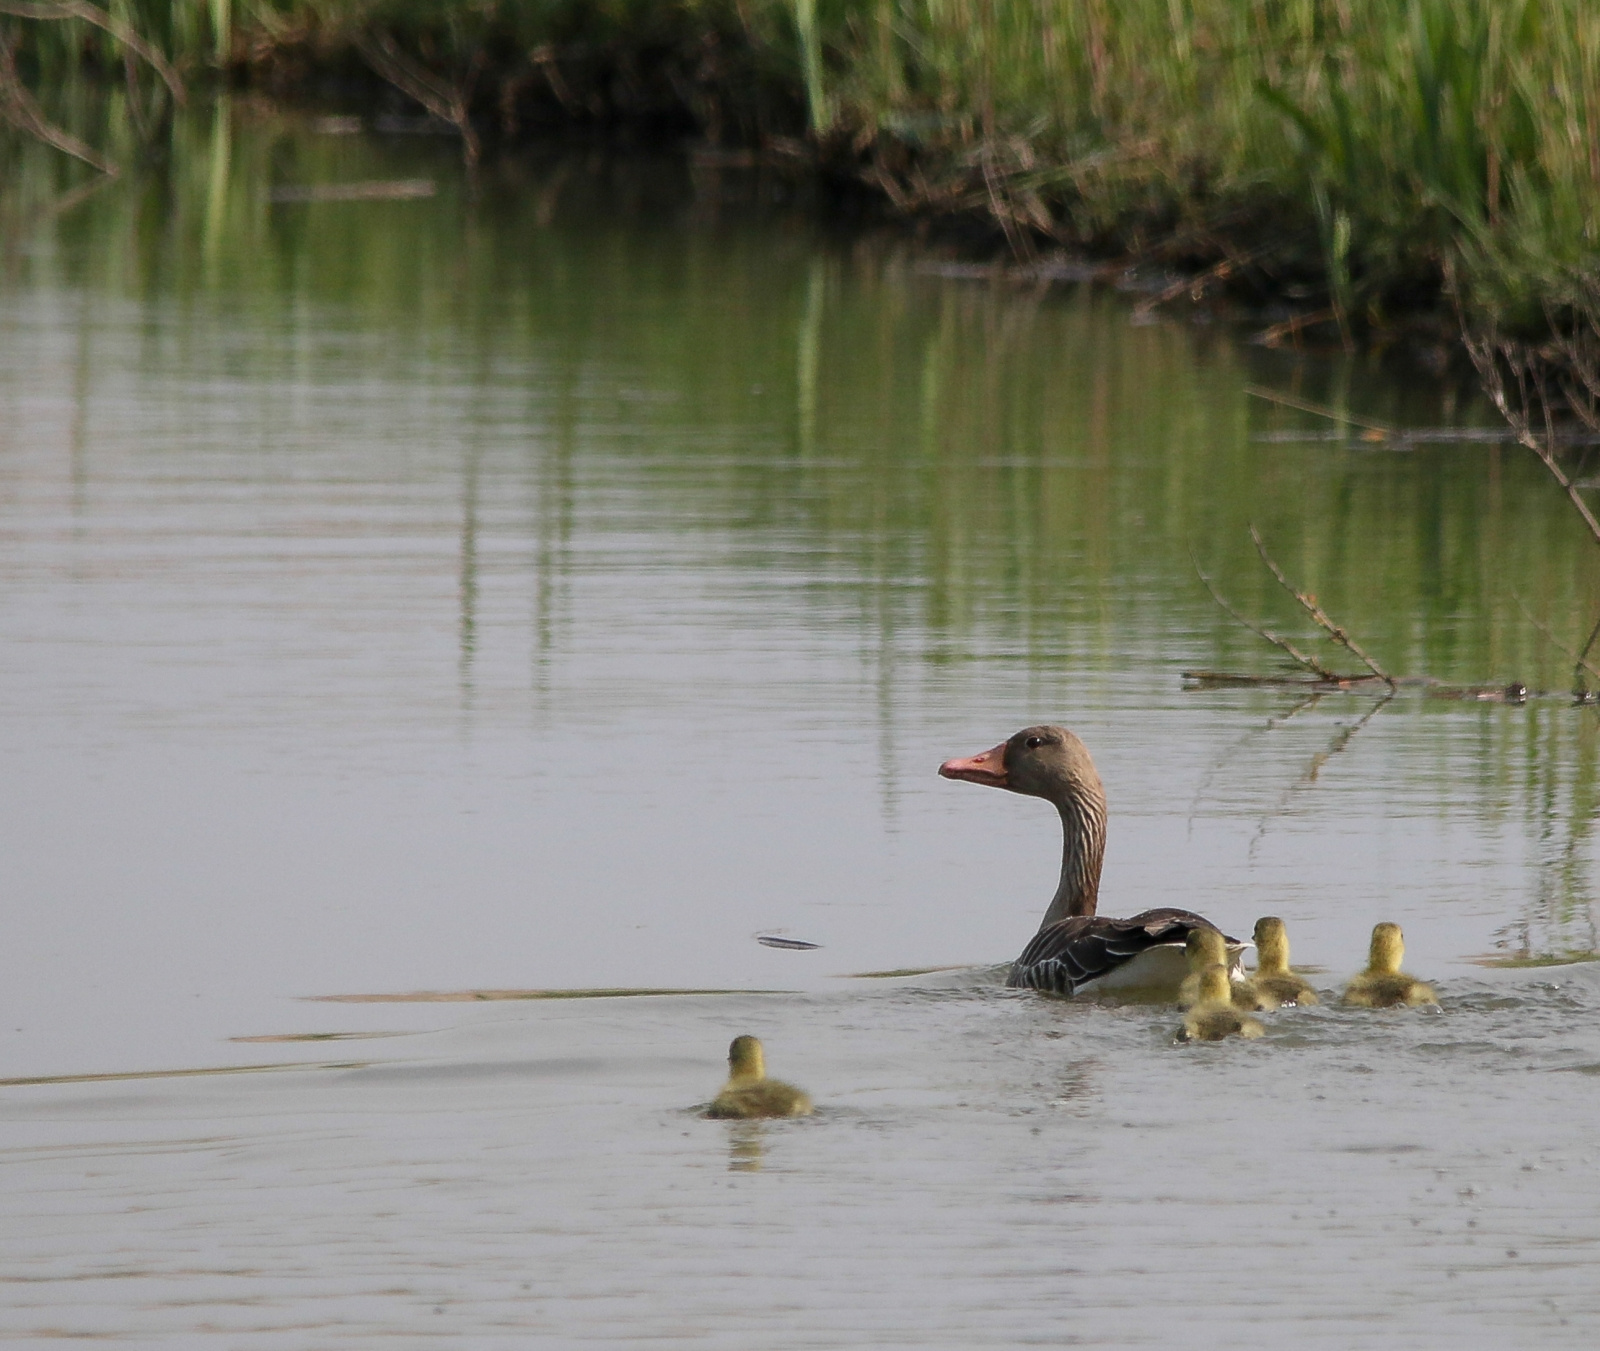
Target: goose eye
1034, 742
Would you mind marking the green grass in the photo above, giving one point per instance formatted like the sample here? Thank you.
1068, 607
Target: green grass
1352, 156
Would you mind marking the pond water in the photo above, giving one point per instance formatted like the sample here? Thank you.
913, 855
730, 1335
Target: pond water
560, 579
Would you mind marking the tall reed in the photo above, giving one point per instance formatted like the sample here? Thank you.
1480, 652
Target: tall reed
1366, 148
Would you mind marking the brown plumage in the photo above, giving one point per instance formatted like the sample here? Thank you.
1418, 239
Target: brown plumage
1075, 947
1383, 985
749, 1093
1273, 976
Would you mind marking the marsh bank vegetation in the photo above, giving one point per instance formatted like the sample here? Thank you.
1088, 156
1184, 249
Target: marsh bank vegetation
1353, 168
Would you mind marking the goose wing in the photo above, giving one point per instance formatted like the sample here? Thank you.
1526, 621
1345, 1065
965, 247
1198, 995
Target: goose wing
1065, 956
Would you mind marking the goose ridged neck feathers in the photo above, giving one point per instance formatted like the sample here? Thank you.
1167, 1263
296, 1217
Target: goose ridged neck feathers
1075, 948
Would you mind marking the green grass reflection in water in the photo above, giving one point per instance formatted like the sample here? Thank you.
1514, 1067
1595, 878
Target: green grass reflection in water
949, 477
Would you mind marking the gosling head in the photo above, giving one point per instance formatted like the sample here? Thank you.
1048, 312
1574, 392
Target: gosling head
745, 1060
1205, 947
1214, 986
1272, 945
1388, 949
1044, 761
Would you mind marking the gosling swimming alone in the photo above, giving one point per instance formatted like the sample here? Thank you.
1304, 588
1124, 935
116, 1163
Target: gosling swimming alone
1383, 985
1214, 1015
749, 1093
1273, 977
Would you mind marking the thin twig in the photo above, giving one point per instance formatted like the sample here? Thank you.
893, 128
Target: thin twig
1271, 337
1580, 659
1584, 655
1283, 644
1486, 354
1195, 286
1318, 615
1306, 406
17, 106
93, 14
447, 102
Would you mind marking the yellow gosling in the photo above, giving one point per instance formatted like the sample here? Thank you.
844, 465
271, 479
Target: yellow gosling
1214, 1016
1383, 984
1205, 947
1272, 976
749, 1093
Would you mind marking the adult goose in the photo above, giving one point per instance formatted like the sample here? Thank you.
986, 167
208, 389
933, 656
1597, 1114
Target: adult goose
1075, 949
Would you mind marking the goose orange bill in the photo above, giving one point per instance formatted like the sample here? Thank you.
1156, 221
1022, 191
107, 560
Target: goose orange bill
989, 768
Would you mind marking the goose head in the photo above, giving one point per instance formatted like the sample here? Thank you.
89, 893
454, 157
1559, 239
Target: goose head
1044, 761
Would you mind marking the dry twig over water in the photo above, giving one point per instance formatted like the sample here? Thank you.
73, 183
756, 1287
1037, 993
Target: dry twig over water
47, 10
1318, 614
1531, 375
1323, 675
1557, 380
448, 101
17, 106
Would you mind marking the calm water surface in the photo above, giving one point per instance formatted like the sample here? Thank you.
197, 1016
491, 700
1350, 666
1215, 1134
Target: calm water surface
559, 581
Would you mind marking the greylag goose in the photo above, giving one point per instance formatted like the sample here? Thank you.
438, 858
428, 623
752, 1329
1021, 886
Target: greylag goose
1383, 984
1215, 1015
749, 1093
1075, 949
1273, 976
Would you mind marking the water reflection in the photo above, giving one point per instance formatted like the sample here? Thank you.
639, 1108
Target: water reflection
522, 599
648, 493
746, 1146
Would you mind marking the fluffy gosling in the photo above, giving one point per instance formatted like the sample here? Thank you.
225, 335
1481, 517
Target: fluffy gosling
1272, 976
1383, 985
1205, 947
749, 1093
1214, 1016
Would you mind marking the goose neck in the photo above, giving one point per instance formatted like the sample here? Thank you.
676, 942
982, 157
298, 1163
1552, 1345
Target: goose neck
1083, 843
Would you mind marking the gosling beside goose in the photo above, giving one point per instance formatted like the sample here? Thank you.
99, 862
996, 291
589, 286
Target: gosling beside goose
1214, 1015
1207, 947
1075, 949
1383, 985
749, 1093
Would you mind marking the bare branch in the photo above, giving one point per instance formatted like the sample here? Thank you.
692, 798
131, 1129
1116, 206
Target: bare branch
93, 14
1581, 660
447, 102
1318, 615
1282, 644
1306, 406
17, 106
1487, 354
